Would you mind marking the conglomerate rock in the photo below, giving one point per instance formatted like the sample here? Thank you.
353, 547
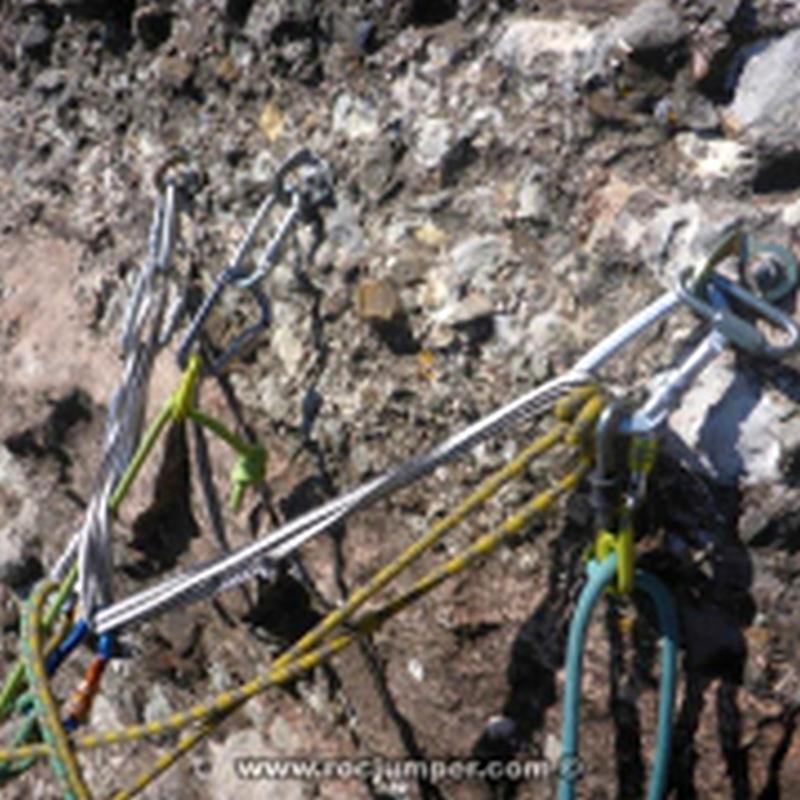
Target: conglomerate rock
513, 180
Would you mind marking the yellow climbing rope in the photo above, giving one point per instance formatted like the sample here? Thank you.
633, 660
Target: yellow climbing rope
59, 748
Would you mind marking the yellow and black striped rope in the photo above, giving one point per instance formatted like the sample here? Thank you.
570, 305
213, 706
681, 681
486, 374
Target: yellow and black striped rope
63, 761
283, 671
581, 409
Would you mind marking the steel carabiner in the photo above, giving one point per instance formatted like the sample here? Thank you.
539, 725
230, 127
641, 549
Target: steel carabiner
314, 189
745, 335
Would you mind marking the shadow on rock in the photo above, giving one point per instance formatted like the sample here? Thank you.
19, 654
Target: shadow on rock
162, 532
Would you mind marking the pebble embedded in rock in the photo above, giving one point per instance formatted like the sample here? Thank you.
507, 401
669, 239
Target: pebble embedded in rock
473, 307
272, 396
50, 81
435, 292
791, 214
548, 333
158, 705
433, 140
714, 158
377, 171
378, 301
652, 25
416, 669
271, 122
175, 72
501, 728
532, 201
289, 349
355, 117
345, 233
431, 236
227, 71
37, 41
525, 41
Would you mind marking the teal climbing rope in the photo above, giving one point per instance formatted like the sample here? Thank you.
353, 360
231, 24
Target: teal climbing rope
601, 575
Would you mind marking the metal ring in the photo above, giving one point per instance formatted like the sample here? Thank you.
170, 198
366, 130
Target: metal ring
179, 156
302, 157
783, 256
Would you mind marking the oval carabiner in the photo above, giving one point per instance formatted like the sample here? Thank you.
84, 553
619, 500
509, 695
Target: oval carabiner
767, 311
738, 331
313, 189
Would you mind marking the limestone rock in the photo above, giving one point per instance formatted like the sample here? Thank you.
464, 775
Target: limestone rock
766, 107
525, 41
652, 25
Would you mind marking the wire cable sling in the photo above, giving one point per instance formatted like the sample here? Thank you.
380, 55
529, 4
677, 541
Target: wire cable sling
222, 573
204, 581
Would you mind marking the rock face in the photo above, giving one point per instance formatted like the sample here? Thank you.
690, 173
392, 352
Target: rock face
652, 25
512, 181
766, 106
